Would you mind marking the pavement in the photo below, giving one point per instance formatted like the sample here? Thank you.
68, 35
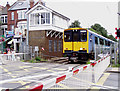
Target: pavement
109, 81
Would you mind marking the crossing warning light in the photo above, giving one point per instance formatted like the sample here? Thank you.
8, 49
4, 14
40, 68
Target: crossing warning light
117, 33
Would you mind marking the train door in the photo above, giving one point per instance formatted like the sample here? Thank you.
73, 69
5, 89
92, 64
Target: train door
76, 43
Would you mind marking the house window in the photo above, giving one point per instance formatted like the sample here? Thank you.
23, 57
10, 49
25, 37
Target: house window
12, 15
5, 19
12, 28
2, 19
59, 45
55, 46
19, 15
50, 45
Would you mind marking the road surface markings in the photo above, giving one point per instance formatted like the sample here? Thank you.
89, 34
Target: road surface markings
101, 82
51, 71
62, 85
24, 68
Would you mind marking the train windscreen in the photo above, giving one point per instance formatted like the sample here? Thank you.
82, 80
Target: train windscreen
83, 35
68, 36
75, 35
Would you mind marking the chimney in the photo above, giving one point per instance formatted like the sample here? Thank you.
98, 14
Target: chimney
7, 5
41, 2
31, 3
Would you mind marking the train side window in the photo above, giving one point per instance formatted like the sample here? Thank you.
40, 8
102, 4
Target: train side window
108, 43
101, 41
96, 40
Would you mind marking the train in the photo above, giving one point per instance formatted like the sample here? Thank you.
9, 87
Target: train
80, 43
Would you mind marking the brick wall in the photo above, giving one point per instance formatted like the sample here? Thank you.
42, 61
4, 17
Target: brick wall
38, 38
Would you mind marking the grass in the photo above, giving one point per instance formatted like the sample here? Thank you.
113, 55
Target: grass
115, 65
35, 60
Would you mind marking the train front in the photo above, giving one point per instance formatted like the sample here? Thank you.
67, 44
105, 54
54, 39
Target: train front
75, 43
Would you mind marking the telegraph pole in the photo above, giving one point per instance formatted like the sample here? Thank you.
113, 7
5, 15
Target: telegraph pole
27, 35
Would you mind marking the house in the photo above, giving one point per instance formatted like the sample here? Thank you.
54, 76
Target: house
3, 27
46, 28
17, 23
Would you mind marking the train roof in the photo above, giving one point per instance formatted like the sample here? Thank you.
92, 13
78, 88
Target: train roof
91, 32
101, 36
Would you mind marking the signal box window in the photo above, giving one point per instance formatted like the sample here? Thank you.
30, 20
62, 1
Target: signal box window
50, 45
83, 35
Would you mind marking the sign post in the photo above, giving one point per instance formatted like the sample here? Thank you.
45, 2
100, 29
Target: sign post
118, 36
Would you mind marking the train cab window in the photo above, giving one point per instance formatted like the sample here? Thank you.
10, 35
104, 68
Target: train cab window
83, 35
75, 35
96, 40
67, 36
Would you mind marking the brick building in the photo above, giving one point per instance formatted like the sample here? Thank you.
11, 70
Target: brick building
17, 23
45, 29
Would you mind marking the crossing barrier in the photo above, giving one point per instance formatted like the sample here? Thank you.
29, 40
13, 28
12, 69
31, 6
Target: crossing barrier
96, 65
96, 68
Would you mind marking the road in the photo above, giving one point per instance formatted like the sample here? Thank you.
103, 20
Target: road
22, 75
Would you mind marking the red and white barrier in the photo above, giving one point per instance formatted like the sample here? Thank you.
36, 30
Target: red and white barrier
96, 65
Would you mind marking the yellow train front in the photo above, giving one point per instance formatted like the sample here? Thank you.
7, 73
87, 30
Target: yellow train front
75, 43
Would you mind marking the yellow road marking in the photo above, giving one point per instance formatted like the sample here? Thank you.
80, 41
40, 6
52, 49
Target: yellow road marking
62, 85
84, 81
103, 79
58, 69
14, 76
51, 71
56, 88
24, 68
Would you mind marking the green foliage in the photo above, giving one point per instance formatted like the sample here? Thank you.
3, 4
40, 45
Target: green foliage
75, 24
38, 59
97, 28
32, 61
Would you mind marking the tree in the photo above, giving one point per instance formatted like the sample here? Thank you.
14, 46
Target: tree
75, 24
97, 28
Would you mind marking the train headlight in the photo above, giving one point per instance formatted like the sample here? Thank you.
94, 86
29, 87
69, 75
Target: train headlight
80, 48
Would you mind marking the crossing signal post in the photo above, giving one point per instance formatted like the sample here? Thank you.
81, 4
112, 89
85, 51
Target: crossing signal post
118, 36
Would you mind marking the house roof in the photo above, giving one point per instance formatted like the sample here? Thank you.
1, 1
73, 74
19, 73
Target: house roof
4, 11
49, 9
18, 5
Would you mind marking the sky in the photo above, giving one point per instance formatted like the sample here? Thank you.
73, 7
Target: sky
88, 12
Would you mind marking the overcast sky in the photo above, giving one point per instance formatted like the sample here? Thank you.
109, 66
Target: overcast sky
88, 12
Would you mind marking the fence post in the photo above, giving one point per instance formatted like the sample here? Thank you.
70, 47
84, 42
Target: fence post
111, 55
